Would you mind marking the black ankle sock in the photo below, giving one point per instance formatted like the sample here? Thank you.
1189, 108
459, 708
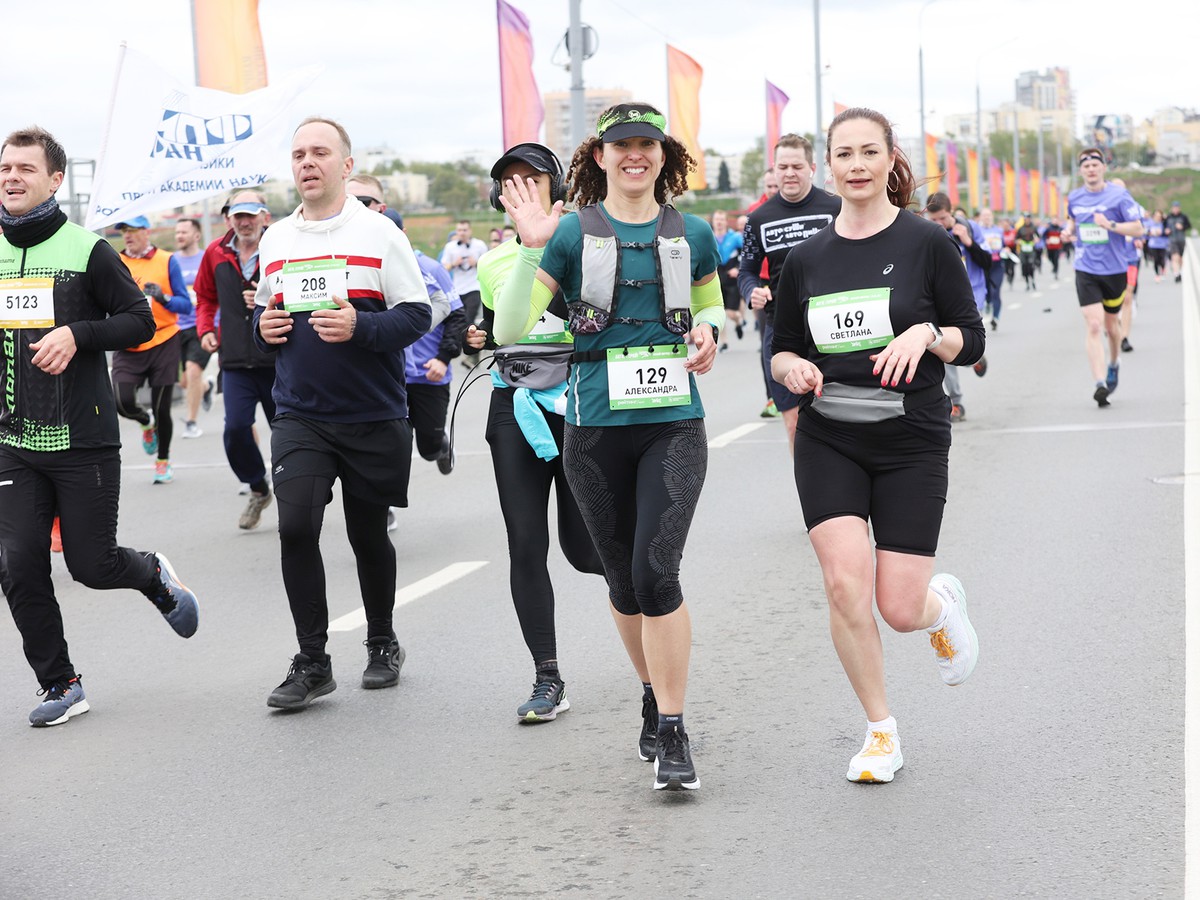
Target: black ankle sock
260, 486
548, 668
647, 690
666, 723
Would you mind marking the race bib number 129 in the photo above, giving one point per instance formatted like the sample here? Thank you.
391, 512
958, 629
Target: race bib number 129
642, 377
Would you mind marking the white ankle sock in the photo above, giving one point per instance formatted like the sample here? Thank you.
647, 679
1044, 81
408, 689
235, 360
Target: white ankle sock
888, 725
941, 619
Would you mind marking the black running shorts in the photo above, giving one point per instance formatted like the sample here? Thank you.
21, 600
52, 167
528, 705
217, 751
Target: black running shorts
1106, 289
882, 472
372, 459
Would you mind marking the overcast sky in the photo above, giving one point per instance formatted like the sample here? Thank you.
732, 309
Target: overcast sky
421, 76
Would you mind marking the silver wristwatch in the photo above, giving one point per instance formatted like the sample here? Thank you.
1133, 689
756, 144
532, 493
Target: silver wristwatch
937, 335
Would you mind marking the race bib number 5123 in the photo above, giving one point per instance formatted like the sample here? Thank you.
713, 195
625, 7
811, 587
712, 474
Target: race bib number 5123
27, 303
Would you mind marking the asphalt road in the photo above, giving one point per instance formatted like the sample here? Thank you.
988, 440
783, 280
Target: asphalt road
1057, 771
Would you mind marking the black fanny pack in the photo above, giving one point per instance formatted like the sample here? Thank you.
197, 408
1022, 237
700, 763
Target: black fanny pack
533, 366
862, 405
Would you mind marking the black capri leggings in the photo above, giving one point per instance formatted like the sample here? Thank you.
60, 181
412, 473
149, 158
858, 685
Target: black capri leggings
637, 487
882, 472
523, 481
160, 403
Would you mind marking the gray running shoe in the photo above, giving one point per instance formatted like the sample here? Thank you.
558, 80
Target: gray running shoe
173, 599
254, 509
61, 701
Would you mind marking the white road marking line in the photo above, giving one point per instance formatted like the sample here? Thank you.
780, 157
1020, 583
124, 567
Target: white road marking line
1191, 572
1012, 306
724, 440
1083, 426
409, 593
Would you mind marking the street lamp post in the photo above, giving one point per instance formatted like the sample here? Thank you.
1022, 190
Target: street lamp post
979, 179
923, 167
819, 133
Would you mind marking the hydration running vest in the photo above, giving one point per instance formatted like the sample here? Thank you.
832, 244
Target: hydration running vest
601, 273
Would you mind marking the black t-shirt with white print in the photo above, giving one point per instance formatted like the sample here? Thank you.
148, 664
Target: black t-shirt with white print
774, 229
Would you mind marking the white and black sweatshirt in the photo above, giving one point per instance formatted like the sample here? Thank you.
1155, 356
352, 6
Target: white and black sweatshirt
361, 380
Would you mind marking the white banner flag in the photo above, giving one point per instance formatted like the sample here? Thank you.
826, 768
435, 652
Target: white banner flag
168, 144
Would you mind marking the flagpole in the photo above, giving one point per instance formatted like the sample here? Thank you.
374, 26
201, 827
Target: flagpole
97, 177
819, 143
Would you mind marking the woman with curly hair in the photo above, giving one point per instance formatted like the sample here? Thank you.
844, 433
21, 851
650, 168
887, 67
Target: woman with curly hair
640, 283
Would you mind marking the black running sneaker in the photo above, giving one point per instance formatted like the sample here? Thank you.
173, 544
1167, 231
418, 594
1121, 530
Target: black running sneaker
385, 656
673, 767
648, 739
306, 681
1101, 395
548, 699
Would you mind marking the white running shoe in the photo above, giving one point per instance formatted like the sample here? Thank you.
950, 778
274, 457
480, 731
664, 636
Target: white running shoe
956, 644
878, 760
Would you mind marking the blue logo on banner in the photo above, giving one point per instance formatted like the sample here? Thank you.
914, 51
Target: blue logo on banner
185, 136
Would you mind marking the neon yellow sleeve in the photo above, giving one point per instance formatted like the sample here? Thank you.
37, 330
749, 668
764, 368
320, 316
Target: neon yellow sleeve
523, 298
708, 306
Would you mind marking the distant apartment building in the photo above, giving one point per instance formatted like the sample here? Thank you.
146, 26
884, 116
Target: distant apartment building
558, 116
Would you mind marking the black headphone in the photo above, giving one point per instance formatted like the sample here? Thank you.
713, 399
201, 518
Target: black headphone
558, 188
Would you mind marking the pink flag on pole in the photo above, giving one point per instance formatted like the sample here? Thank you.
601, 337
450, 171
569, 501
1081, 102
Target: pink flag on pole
776, 101
521, 107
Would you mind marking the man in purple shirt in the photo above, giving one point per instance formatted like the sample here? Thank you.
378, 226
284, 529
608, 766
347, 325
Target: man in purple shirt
1101, 215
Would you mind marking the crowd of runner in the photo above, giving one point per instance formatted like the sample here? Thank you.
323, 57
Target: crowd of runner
599, 325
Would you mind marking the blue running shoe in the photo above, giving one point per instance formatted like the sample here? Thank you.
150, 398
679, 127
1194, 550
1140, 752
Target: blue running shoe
176, 603
1110, 379
150, 437
61, 701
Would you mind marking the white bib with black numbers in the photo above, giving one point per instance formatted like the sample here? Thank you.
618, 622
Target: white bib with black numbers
851, 320
647, 377
27, 303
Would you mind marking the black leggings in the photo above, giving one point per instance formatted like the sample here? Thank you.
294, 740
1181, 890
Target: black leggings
523, 481
160, 402
1159, 255
301, 503
637, 487
83, 488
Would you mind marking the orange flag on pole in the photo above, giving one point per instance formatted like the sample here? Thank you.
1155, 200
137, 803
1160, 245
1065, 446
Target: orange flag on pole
1035, 192
973, 185
776, 101
228, 46
931, 164
521, 110
683, 109
1010, 188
